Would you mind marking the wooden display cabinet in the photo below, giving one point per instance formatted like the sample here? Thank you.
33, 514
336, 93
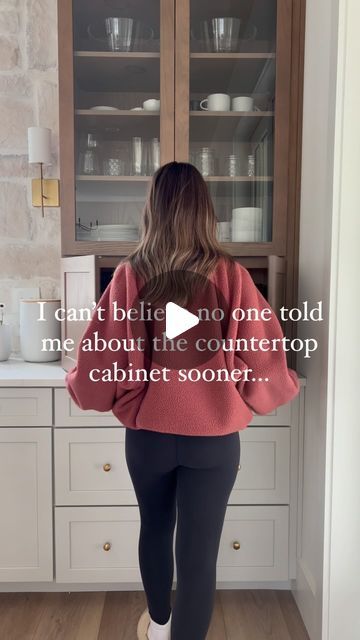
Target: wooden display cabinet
171, 50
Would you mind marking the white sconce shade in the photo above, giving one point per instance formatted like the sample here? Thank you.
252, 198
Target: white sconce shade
39, 145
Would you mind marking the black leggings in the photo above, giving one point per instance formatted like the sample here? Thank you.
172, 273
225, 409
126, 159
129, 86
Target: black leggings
195, 474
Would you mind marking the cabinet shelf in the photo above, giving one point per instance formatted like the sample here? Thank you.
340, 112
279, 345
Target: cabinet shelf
116, 112
146, 114
227, 179
122, 248
126, 55
232, 114
233, 56
239, 179
101, 178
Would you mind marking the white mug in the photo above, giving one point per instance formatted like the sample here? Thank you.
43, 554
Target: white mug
151, 105
242, 103
216, 102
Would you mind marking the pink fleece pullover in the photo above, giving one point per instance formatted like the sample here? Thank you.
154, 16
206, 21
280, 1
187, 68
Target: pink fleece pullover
189, 408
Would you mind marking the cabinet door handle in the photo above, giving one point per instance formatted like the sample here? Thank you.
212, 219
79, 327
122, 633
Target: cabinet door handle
236, 545
107, 546
107, 466
239, 467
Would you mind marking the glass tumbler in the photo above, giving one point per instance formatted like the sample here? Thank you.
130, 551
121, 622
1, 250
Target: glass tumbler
113, 167
138, 156
120, 33
225, 33
89, 162
154, 155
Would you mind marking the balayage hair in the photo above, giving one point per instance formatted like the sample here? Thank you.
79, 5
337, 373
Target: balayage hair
178, 234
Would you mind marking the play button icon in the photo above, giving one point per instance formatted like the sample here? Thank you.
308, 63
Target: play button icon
178, 320
196, 317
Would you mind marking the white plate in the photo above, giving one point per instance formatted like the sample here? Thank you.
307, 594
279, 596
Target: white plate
117, 227
104, 108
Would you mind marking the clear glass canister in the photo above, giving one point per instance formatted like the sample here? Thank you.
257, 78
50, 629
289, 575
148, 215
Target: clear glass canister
205, 161
232, 166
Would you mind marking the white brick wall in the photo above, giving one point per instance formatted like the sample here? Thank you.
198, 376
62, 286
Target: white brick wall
29, 244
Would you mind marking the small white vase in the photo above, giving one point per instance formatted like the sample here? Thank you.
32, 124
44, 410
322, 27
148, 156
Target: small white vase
5, 341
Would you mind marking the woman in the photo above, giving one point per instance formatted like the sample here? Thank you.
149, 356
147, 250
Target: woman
182, 433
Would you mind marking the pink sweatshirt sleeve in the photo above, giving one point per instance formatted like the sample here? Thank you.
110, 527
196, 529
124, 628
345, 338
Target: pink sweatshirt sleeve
283, 384
86, 393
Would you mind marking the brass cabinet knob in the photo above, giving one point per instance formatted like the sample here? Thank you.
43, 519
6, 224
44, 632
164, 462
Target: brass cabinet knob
236, 545
107, 546
107, 466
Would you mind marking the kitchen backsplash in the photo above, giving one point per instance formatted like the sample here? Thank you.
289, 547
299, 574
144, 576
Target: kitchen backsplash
29, 244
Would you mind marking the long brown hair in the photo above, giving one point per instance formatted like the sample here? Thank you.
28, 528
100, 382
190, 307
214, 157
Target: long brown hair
178, 234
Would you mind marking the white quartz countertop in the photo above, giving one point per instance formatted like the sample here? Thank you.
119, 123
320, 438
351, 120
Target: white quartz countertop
15, 372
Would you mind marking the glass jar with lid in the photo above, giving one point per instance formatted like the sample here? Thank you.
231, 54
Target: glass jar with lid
205, 161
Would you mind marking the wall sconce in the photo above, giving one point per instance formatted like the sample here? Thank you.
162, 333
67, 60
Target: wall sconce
44, 191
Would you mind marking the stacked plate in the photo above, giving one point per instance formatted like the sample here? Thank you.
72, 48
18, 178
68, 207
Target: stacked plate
123, 232
247, 224
103, 107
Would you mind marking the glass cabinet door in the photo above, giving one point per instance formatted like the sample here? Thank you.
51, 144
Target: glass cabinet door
122, 113
232, 113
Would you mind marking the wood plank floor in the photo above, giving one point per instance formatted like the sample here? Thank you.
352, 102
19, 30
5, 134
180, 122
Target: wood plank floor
260, 614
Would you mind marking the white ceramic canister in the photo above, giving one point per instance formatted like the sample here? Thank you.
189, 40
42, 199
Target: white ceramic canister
5, 341
33, 330
247, 223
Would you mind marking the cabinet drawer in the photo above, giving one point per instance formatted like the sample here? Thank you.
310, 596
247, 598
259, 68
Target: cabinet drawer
68, 414
81, 536
254, 544
90, 467
100, 544
264, 470
25, 407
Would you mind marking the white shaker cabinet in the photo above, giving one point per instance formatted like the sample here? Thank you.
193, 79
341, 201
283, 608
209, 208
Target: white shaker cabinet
26, 547
69, 515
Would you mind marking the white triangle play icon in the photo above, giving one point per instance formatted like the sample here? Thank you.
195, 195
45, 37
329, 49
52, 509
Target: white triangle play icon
178, 320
